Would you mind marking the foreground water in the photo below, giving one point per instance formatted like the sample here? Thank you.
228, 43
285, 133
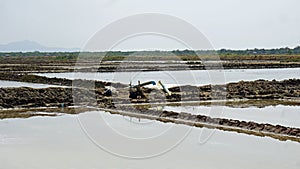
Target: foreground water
104, 141
192, 77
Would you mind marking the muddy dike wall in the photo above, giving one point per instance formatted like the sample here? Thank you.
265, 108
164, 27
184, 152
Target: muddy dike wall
25, 97
263, 89
259, 89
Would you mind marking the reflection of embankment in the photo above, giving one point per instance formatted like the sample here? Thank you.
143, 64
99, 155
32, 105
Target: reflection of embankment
41, 111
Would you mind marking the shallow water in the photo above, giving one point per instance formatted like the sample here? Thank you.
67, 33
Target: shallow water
6, 84
60, 142
192, 77
281, 115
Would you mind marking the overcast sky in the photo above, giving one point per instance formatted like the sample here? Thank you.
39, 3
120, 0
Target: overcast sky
235, 24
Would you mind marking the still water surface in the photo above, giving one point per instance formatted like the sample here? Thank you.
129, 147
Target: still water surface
59, 142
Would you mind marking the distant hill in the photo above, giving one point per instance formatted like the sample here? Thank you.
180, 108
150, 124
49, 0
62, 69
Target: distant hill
31, 46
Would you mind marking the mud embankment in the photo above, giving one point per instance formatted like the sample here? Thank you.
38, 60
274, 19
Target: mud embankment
259, 89
25, 97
